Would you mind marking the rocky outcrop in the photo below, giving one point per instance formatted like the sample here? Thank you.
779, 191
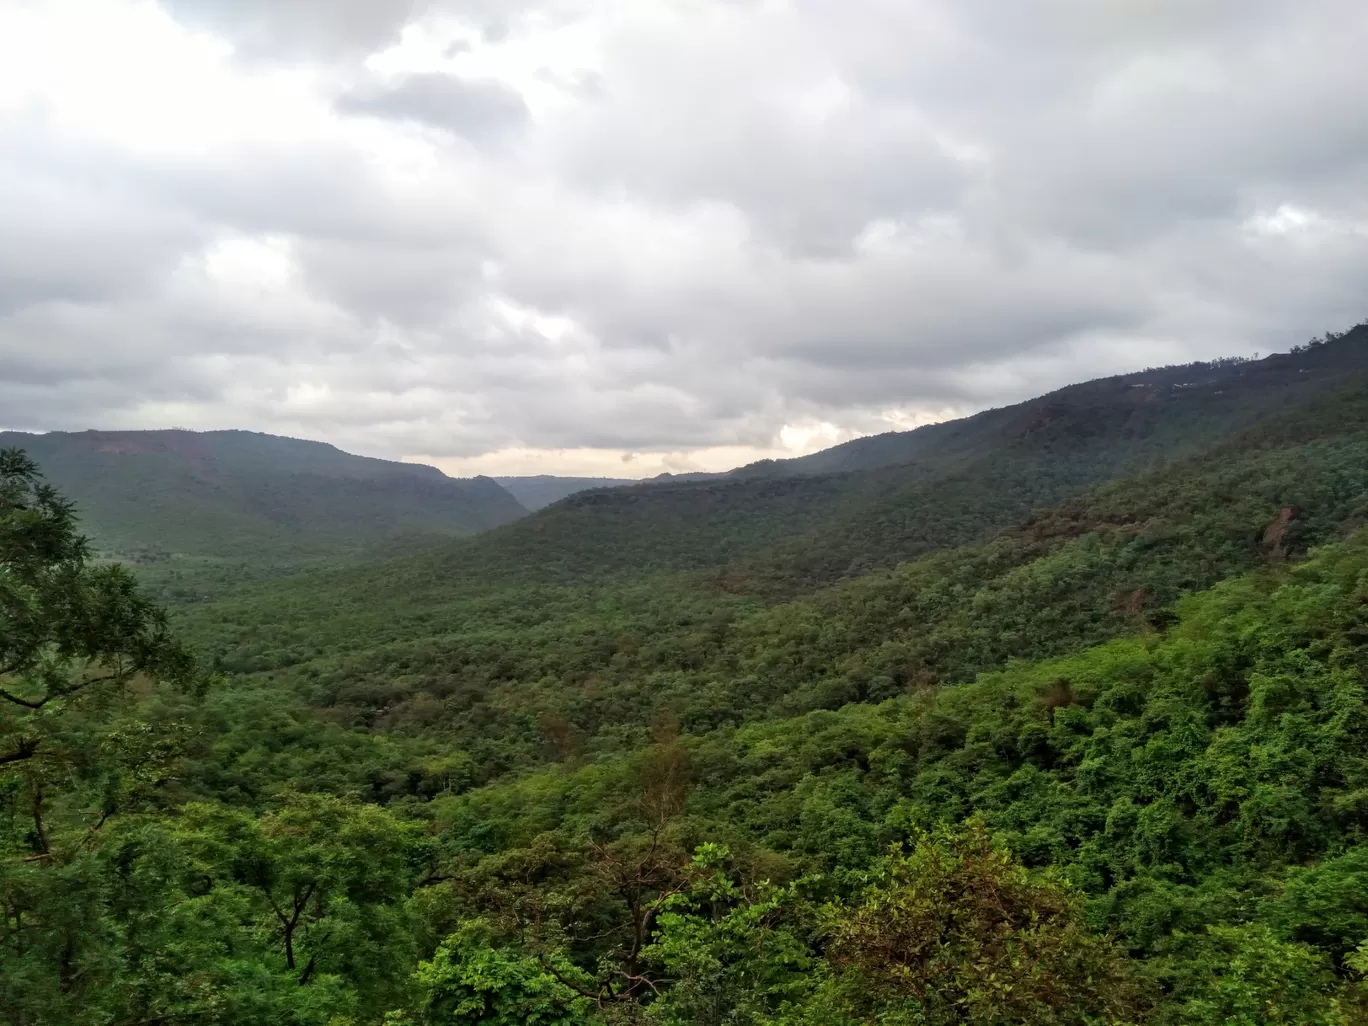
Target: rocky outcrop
1275, 535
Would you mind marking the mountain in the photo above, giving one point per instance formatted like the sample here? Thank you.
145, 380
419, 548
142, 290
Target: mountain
964, 439
540, 490
1148, 681
239, 495
763, 531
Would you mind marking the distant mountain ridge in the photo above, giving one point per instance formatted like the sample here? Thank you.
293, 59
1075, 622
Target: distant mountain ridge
798, 522
537, 491
245, 494
541, 490
1346, 352
881, 500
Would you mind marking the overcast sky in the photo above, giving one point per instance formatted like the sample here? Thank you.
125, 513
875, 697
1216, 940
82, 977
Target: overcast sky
621, 236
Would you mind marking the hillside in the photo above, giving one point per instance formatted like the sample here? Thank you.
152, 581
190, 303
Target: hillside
1197, 789
239, 495
1151, 689
780, 534
540, 490
485, 663
965, 439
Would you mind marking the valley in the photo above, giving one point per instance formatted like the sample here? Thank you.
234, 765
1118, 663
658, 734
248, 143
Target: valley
750, 748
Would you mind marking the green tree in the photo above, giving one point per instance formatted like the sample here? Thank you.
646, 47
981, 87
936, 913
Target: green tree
316, 885
471, 982
956, 932
75, 639
1246, 976
727, 956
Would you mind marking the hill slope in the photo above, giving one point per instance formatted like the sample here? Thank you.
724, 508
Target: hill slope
1208, 777
975, 436
488, 663
1184, 760
779, 533
244, 495
694, 601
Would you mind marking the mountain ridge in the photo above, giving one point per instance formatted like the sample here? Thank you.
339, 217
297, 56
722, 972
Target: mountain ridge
235, 494
803, 530
893, 447
536, 491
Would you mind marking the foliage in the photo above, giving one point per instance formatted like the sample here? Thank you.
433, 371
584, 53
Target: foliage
519, 674
1246, 976
731, 956
468, 982
954, 932
322, 879
1208, 774
74, 640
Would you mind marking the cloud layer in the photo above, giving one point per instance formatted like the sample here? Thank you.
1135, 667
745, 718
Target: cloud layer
600, 236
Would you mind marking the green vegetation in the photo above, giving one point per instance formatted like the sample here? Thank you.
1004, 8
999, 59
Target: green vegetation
523, 671
1063, 719
194, 511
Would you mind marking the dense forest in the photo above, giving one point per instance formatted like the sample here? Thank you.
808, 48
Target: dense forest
1054, 715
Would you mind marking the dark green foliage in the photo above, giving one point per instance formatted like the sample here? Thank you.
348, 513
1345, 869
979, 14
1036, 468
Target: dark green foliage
68, 626
469, 982
517, 673
311, 892
733, 954
1247, 976
1210, 775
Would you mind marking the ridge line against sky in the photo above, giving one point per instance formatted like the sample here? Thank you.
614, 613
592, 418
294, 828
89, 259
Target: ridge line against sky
616, 238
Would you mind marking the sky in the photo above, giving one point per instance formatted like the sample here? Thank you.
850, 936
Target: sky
620, 237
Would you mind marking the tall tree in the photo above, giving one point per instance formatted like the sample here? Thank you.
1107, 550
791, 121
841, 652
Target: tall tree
75, 638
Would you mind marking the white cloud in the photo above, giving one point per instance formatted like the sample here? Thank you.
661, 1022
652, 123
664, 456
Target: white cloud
550, 235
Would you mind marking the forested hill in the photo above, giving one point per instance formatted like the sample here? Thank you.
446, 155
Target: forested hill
244, 495
492, 662
959, 440
778, 533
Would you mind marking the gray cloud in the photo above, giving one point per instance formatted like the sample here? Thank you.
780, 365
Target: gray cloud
69, 231
475, 109
647, 232
285, 29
